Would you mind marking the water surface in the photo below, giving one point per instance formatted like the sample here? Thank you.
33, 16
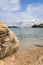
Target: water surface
28, 36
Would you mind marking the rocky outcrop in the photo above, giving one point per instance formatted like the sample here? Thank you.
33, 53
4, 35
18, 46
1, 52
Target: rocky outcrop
8, 41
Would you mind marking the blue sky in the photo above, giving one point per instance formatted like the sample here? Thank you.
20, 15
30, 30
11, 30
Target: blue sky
27, 11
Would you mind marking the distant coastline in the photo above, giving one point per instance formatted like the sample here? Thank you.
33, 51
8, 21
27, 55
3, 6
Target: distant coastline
37, 26
33, 26
13, 27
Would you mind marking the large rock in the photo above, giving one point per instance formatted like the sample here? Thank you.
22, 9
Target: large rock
8, 41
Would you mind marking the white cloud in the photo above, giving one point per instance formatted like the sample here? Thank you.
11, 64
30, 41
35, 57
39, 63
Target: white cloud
9, 5
32, 15
35, 10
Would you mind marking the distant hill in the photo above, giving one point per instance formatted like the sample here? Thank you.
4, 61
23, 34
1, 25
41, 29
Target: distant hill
38, 26
27, 26
12, 27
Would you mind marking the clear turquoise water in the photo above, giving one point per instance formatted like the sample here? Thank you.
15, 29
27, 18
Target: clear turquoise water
29, 36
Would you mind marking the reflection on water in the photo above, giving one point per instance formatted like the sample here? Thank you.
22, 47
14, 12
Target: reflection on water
29, 35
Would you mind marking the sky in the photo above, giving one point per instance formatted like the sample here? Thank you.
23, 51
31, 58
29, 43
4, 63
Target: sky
26, 11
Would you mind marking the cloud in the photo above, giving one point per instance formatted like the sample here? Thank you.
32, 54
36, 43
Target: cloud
9, 5
10, 14
35, 10
33, 13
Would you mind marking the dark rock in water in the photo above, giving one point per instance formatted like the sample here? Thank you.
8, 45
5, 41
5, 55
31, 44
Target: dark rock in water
8, 41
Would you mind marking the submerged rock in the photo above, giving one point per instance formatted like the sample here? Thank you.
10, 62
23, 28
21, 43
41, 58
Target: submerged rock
8, 41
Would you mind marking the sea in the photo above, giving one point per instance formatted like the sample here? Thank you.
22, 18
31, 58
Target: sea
29, 36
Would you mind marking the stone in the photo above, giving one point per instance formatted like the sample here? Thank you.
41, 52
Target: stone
8, 41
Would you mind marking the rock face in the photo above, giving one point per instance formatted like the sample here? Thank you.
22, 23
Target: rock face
8, 41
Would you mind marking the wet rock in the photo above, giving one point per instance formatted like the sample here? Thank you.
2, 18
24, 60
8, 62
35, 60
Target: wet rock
8, 41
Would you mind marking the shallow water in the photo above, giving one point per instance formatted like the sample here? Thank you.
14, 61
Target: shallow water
28, 36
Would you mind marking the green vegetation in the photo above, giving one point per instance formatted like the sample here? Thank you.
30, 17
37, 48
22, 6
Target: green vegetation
37, 26
12, 27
